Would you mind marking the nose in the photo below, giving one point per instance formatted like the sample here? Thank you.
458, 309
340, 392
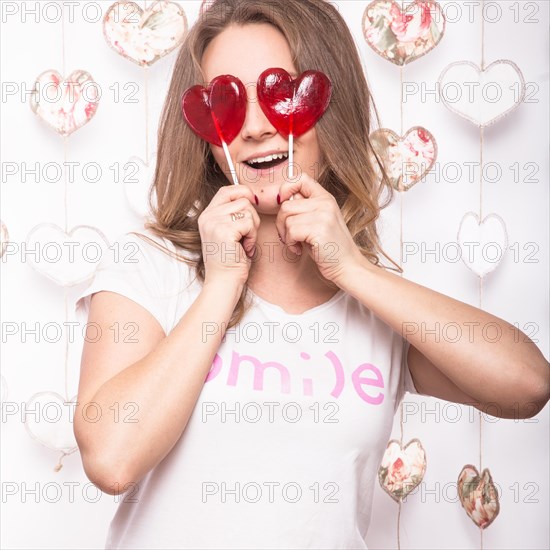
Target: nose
256, 125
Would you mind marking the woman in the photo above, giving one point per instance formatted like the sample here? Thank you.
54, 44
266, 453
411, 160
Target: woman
249, 406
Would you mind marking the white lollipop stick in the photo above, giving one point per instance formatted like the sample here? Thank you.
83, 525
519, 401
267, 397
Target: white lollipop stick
230, 162
291, 159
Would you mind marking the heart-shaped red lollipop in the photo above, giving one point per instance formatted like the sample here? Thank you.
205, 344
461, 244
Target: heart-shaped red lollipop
293, 106
216, 113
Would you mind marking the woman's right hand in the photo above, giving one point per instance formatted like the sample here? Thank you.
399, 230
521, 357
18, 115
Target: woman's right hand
228, 245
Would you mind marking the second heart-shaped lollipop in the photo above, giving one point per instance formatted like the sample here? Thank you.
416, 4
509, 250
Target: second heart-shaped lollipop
293, 106
217, 113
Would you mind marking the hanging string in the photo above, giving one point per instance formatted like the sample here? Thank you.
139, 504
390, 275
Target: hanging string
146, 86
480, 220
401, 189
398, 523
404, 359
65, 142
59, 464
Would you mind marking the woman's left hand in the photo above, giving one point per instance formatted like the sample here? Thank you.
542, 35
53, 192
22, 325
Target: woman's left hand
313, 221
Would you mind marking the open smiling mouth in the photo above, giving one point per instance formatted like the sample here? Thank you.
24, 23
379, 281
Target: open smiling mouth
265, 163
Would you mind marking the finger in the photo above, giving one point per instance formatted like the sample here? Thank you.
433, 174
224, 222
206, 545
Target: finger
250, 238
300, 236
246, 228
287, 209
230, 193
247, 232
297, 208
237, 205
301, 231
305, 185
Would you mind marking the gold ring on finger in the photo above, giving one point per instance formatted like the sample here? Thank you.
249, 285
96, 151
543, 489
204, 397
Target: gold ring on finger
237, 216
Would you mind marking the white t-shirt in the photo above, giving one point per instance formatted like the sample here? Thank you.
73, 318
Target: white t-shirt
283, 447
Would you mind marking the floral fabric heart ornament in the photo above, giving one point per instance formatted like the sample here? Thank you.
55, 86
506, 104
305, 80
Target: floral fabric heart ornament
65, 104
144, 36
293, 106
482, 97
406, 159
67, 259
483, 243
4, 238
402, 468
217, 113
478, 495
403, 36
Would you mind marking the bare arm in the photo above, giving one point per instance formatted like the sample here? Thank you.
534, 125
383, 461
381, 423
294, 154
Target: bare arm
159, 377
470, 355
162, 375
458, 352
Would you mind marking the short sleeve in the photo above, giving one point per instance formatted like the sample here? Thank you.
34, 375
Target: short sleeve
406, 383
406, 373
137, 270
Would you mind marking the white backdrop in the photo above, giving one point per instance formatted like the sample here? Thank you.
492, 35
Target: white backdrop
62, 510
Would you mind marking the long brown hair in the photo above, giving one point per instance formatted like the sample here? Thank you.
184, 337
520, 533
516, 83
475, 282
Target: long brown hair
187, 176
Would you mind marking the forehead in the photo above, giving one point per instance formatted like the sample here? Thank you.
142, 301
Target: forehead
246, 51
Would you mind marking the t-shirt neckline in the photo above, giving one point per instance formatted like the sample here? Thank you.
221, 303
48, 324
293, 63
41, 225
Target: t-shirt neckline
311, 311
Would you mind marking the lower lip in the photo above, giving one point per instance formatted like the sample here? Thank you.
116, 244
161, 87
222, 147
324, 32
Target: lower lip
266, 172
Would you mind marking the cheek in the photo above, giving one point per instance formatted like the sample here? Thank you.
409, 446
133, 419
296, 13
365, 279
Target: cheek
219, 156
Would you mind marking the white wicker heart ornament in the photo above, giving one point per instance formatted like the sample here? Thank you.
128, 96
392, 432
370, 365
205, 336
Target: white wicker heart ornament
482, 96
483, 243
67, 259
49, 420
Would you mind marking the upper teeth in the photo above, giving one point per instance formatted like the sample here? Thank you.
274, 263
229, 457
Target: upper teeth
269, 158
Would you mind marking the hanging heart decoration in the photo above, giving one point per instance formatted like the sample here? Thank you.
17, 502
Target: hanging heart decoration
138, 184
293, 106
406, 159
144, 36
206, 5
4, 238
482, 97
67, 259
217, 113
478, 495
483, 243
402, 36
3, 390
402, 468
52, 426
65, 104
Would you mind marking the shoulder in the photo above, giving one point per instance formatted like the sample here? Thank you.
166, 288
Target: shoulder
146, 244
143, 253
